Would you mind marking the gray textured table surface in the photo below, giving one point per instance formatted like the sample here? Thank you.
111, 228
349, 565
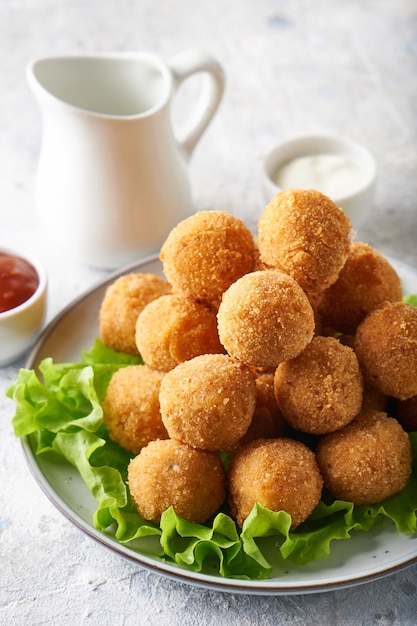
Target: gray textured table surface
292, 66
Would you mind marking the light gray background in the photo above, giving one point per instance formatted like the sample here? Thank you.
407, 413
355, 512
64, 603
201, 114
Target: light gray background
292, 67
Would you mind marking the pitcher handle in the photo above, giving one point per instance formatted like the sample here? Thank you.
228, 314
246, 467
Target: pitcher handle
183, 65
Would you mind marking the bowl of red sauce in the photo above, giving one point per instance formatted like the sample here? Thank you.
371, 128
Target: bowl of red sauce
23, 287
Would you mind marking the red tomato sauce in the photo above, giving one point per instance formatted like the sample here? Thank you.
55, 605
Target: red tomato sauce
18, 281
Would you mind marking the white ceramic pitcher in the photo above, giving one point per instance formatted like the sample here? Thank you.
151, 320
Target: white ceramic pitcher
112, 176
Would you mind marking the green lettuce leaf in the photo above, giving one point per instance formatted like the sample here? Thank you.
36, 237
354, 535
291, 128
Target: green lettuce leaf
59, 408
411, 299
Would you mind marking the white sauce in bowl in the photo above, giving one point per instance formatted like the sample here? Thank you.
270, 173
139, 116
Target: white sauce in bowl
333, 174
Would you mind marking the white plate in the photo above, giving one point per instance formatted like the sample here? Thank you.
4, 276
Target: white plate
364, 557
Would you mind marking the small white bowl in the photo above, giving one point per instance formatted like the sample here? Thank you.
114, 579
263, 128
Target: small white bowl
338, 167
20, 326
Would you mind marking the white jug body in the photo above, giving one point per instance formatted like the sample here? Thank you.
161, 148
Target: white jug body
112, 177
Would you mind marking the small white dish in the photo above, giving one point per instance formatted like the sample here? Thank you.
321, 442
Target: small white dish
21, 325
338, 167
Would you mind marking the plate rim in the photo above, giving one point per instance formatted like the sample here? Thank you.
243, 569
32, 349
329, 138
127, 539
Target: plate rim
166, 569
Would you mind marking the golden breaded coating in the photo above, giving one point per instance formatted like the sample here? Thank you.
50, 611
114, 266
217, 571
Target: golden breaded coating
267, 421
366, 280
169, 473
406, 413
265, 318
281, 474
321, 390
123, 300
131, 407
367, 461
304, 234
208, 402
386, 347
176, 328
266, 409
373, 398
206, 253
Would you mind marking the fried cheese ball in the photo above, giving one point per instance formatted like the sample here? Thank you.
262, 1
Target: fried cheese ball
367, 461
123, 300
265, 318
206, 253
320, 390
373, 398
306, 235
208, 402
366, 280
169, 473
386, 347
175, 328
131, 407
267, 421
281, 474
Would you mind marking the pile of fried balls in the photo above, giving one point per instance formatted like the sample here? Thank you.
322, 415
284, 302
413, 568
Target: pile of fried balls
294, 357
